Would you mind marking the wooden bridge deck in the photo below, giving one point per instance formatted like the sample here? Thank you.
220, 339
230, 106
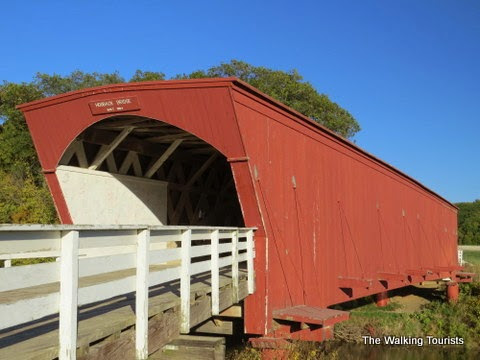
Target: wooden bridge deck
106, 329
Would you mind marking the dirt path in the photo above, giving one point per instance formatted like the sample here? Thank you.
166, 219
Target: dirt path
413, 298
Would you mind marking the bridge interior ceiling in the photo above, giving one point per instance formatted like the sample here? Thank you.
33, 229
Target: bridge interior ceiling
201, 189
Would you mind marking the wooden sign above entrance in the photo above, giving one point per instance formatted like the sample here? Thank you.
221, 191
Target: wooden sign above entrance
114, 105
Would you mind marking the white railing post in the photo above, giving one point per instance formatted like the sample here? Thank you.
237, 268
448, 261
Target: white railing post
68, 296
250, 273
185, 281
460, 257
235, 266
141, 297
7, 263
214, 236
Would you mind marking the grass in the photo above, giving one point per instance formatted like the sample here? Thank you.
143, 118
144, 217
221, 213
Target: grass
472, 257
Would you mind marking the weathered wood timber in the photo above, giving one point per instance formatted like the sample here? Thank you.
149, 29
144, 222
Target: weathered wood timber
193, 347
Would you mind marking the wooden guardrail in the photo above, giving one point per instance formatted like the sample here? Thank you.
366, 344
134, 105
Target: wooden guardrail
157, 254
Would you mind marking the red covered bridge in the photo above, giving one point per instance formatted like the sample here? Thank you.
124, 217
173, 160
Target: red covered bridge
333, 223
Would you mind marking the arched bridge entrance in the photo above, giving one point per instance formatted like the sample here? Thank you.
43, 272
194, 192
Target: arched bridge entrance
134, 170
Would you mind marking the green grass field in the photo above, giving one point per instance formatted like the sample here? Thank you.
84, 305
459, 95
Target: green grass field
472, 257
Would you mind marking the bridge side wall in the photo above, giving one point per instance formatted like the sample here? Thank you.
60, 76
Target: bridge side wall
329, 211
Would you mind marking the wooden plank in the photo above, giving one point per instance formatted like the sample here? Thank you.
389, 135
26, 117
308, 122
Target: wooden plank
111, 164
234, 311
185, 281
465, 274
184, 196
18, 312
167, 138
311, 315
127, 162
193, 347
137, 167
19, 277
68, 296
120, 123
131, 143
165, 255
215, 326
68, 154
391, 276
201, 250
106, 150
106, 264
161, 160
16, 239
80, 153
200, 267
351, 283
165, 235
141, 295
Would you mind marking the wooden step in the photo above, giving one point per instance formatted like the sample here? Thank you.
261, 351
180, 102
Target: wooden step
192, 347
311, 315
464, 277
465, 274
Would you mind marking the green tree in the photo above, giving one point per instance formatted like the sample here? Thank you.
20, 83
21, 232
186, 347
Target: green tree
290, 89
147, 76
50, 85
469, 223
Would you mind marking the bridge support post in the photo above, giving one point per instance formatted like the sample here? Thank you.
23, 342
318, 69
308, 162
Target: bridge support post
452, 291
381, 299
68, 296
141, 296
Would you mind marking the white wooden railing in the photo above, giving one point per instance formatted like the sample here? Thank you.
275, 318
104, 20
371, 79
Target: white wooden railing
92, 250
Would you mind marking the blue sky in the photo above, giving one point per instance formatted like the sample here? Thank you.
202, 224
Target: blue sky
408, 70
